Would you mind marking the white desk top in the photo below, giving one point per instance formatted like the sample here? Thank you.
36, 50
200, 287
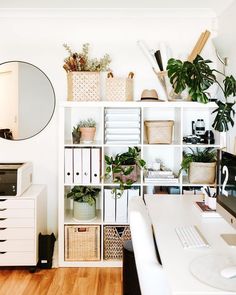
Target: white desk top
169, 211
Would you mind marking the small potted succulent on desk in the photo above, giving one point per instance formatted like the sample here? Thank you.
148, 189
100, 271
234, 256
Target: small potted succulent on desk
86, 129
84, 205
200, 164
124, 168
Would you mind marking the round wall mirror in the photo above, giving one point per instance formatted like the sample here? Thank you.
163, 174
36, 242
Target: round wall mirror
27, 100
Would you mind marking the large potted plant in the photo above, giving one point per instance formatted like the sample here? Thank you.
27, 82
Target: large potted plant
124, 167
84, 205
200, 165
197, 77
87, 129
83, 73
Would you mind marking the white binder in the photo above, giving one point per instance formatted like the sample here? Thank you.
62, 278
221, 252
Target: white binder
77, 165
109, 206
86, 165
121, 207
132, 193
95, 165
68, 166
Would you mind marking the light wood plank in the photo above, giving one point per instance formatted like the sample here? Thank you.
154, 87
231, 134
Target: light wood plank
62, 281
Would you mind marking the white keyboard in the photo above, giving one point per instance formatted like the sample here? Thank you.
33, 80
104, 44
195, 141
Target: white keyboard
191, 237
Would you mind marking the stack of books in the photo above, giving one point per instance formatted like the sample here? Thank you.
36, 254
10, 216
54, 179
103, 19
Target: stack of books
161, 177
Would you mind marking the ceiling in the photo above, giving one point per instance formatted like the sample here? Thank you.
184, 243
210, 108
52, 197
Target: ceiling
215, 6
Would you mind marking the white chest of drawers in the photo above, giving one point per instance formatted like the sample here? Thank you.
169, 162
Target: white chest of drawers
21, 220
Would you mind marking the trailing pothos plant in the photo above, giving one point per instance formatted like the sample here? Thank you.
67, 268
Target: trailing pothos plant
122, 166
197, 77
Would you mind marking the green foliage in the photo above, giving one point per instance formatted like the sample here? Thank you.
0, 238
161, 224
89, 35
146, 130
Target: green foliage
89, 123
80, 61
207, 155
122, 164
224, 114
84, 194
197, 77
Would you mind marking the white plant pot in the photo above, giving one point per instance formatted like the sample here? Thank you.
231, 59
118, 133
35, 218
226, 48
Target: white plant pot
84, 211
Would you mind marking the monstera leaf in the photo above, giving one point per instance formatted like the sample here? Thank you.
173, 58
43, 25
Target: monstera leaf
196, 76
223, 117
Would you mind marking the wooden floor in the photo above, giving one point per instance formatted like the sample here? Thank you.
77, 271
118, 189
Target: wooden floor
71, 281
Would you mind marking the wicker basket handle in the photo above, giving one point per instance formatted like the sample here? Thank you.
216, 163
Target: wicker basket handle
110, 75
131, 75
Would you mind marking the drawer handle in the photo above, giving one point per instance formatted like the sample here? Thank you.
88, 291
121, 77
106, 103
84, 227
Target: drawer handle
3, 228
2, 241
3, 200
1, 219
4, 209
3, 252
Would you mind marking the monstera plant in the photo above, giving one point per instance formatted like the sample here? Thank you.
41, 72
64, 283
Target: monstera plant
197, 77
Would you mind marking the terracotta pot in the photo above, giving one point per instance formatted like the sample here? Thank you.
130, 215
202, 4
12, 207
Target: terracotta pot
132, 176
87, 134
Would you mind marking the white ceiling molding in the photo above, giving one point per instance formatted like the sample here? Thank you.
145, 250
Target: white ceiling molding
106, 13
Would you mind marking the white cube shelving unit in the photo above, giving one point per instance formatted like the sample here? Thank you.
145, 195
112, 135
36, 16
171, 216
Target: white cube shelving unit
182, 113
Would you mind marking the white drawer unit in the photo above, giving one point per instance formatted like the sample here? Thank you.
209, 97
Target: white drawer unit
21, 220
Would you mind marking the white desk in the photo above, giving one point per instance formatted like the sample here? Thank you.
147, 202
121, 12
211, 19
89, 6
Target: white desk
169, 211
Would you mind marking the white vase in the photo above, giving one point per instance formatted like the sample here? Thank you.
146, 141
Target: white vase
84, 211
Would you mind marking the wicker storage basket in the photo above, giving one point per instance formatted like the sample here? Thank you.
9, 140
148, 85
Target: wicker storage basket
114, 238
83, 86
202, 173
82, 242
159, 131
119, 88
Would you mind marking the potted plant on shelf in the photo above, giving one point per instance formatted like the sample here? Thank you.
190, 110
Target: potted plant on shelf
124, 168
76, 134
83, 74
200, 165
197, 77
87, 129
84, 205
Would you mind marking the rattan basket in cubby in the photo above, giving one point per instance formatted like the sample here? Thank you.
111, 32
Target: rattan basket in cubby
158, 131
82, 242
114, 238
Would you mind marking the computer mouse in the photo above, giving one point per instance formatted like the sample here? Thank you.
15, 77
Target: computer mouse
228, 272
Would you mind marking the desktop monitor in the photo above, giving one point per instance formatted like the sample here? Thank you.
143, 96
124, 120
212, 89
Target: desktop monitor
226, 189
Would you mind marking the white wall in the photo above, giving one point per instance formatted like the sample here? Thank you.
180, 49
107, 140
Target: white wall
226, 42
39, 40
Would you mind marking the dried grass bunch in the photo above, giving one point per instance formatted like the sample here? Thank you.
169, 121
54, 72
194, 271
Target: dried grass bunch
80, 61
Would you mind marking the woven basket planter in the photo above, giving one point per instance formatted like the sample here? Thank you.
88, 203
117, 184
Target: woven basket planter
203, 173
82, 243
132, 176
114, 238
159, 131
119, 88
83, 86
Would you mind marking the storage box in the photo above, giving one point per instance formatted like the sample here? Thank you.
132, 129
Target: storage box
114, 238
159, 131
82, 242
119, 88
202, 173
83, 86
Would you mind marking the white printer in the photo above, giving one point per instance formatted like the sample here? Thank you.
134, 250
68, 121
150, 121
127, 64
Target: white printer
15, 178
